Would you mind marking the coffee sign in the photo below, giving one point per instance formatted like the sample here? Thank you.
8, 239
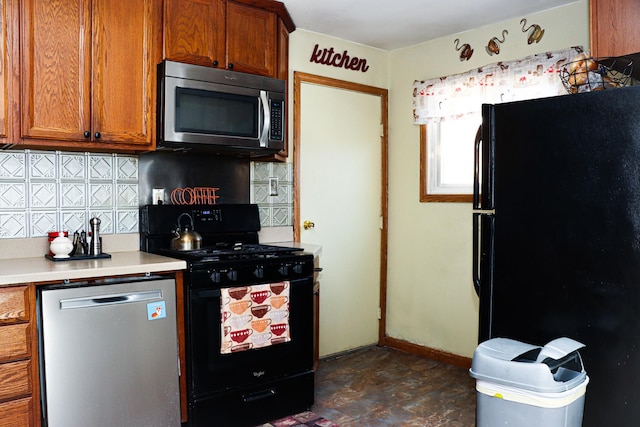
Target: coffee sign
340, 60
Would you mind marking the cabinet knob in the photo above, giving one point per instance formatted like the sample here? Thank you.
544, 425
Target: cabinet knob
230, 66
87, 134
97, 135
215, 63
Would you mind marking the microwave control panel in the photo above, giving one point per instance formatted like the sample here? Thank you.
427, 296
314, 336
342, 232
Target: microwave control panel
277, 112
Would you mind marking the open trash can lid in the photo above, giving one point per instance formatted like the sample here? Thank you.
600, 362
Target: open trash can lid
556, 367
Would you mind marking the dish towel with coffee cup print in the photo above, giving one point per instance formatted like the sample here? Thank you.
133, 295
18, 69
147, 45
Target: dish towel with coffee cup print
254, 316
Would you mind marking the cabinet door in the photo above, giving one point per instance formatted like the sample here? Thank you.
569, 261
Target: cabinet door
9, 78
14, 304
55, 68
251, 39
194, 32
16, 413
615, 27
4, 96
125, 54
283, 52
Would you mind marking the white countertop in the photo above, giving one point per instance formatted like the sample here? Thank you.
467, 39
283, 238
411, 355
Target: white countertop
40, 269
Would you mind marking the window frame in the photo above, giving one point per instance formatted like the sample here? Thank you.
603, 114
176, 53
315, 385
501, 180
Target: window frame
425, 196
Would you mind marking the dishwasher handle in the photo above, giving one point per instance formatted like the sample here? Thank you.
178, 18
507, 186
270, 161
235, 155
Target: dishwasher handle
101, 300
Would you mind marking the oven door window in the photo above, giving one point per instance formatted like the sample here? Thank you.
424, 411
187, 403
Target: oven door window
212, 371
216, 113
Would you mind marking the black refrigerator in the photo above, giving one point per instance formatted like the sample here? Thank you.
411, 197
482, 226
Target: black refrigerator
557, 235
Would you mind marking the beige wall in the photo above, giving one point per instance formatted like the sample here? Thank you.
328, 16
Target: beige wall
431, 300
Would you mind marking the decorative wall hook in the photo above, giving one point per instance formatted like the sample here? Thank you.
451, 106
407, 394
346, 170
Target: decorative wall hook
466, 50
535, 31
493, 47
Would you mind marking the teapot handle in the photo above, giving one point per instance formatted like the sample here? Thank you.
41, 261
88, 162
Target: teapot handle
180, 220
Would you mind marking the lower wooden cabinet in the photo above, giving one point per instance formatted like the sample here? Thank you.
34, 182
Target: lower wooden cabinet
16, 413
18, 360
15, 340
15, 379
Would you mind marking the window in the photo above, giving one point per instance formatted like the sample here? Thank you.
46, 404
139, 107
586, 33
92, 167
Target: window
447, 110
446, 160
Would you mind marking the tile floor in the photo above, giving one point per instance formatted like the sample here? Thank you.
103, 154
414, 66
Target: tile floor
383, 387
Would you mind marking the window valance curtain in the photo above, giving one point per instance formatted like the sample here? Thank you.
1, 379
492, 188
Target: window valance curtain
458, 95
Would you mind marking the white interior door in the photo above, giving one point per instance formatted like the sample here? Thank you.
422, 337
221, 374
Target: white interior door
340, 169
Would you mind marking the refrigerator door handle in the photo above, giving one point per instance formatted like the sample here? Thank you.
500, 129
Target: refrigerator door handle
476, 251
476, 168
483, 235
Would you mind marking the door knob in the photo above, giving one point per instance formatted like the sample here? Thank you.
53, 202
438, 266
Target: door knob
308, 225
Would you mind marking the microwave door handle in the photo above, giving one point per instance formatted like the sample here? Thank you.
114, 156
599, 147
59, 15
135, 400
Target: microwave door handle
264, 135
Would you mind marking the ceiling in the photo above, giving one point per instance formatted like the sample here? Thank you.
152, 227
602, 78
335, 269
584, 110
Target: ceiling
393, 24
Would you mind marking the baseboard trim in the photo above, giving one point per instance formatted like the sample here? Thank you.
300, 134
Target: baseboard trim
439, 355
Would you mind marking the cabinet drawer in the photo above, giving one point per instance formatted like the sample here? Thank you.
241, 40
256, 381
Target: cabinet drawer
13, 304
15, 379
16, 413
15, 342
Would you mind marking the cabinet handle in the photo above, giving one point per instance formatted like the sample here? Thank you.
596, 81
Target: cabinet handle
97, 135
215, 62
230, 66
87, 134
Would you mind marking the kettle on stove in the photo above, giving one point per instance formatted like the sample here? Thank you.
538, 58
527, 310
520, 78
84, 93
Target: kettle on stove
187, 239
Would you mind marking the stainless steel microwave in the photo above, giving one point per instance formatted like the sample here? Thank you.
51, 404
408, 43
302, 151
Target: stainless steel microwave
208, 109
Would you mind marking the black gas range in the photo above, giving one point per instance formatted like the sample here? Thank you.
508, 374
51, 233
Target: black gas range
249, 315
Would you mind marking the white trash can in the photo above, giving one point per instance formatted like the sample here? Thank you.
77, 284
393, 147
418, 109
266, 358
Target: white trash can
522, 385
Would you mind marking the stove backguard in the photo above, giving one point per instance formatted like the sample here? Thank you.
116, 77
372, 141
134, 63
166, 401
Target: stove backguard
215, 223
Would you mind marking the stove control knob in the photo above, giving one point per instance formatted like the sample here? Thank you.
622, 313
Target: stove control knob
297, 268
259, 272
232, 275
284, 270
215, 276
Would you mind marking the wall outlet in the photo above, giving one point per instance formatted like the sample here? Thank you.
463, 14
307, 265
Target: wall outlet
158, 196
273, 186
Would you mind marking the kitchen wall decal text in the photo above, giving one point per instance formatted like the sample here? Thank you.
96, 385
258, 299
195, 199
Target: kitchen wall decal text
340, 60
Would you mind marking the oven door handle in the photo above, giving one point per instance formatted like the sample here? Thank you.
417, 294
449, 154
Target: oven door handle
209, 293
259, 395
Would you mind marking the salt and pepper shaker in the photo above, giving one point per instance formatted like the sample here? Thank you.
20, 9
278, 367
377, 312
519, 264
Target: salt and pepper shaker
95, 248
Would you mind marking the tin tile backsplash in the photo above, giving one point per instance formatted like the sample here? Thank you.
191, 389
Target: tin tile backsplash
272, 191
42, 191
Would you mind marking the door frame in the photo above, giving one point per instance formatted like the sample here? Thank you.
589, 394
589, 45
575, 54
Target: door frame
298, 79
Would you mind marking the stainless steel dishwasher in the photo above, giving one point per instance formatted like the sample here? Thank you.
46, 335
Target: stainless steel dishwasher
109, 354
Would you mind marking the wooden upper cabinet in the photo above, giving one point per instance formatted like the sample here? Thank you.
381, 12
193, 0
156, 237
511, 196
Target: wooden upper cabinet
9, 78
56, 69
251, 39
241, 35
283, 51
4, 96
615, 27
88, 72
194, 31
125, 56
